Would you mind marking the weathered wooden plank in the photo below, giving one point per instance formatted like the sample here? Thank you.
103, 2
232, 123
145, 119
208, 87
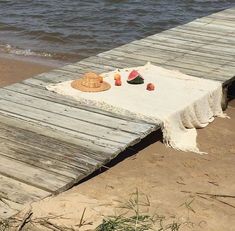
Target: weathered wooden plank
224, 53
76, 68
82, 145
9, 208
216, 33
36, 87
226, 50
225, 16
138, 46
200, 35
130, 62
76, 113
32, 175
209, 62
198, 71
145, 57
216, 59
218, 73
53, 149
225, 40
33, 87
164, 51
214, 28
187, 39
34, 157
137, 51
93, 131
121, 62
225, 71
186, 29
200, 30
148, 54
228, 12
118, 63
206, 68
184, 39
99, 65
54, 76
222, 17
177, 66
178, 51
91, 142
216, 17
217, 22
19, 192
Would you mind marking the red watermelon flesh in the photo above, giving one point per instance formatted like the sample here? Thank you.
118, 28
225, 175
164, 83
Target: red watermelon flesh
135, 78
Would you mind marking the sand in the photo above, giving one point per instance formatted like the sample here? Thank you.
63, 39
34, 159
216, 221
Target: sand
156, 171
14, 69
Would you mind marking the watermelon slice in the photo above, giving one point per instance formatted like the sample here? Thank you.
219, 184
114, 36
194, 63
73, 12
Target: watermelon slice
135, 78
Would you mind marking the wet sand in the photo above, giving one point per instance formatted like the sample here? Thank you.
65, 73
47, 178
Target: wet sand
161, 173
13, 69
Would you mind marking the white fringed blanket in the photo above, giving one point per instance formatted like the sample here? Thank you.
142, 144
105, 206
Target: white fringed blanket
180, 103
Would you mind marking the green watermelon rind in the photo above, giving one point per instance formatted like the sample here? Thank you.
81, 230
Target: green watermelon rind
137, 80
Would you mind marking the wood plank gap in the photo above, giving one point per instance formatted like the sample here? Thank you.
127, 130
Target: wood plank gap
49, 188
46, 155
49, 122
80, 118
67, 101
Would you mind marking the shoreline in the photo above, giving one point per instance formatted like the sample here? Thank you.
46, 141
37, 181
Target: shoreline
15, 68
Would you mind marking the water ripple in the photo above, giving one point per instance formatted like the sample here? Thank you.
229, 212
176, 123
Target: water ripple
75, 29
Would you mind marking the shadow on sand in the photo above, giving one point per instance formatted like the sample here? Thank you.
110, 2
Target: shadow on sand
130, 151
148, 140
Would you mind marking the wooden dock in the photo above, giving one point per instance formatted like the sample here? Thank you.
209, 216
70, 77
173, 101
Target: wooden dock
49, 142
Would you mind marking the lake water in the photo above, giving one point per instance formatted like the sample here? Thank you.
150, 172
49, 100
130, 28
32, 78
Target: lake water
74, 29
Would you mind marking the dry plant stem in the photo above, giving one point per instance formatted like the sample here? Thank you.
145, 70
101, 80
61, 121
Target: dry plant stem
210, 194
213, 197
82, 217
188, 205
226, 203
51, 226
25, 220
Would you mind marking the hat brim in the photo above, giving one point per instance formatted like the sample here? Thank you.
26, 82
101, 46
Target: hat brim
77, 84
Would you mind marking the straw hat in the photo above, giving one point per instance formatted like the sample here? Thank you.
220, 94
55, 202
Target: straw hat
90, 82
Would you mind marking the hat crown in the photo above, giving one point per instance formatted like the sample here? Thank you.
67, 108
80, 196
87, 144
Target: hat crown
91, 80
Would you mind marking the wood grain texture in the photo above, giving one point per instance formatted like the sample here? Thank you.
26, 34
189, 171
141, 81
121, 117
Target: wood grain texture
19, 192
9, 208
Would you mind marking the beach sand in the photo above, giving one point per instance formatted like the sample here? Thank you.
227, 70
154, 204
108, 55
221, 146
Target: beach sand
13, 69
163, 174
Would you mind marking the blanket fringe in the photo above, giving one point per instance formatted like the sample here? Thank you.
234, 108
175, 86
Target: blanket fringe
168, 142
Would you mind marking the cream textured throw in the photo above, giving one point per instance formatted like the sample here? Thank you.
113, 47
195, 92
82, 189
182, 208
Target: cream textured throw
180, 103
